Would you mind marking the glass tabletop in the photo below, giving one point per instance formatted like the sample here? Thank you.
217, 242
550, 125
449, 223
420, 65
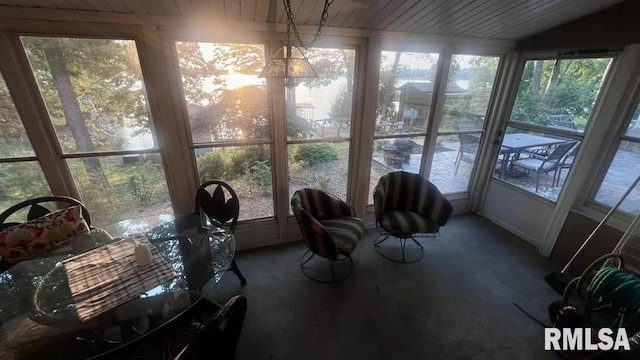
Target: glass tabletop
37, 305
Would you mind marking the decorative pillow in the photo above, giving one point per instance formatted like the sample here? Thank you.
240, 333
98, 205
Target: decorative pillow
28, 240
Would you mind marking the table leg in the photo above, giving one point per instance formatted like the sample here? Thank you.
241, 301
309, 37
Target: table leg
236, 270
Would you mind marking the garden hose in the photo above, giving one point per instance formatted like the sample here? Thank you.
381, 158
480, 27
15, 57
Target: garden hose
579, 282
621, 290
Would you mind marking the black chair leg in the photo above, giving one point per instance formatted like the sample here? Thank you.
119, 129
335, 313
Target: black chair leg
236, 270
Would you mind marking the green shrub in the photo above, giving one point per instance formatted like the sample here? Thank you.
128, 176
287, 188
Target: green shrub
229, 164
315, 154
241, 158
213, 165
260, 175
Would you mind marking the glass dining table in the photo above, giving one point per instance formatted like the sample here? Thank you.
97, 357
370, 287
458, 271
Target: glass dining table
38, 314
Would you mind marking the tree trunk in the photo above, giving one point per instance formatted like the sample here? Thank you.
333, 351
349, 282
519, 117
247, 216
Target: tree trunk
389, 86
553, 79
72, 111
537, 77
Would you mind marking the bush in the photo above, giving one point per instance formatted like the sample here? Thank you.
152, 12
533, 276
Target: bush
212, 165
315, 154
260, 175
229, 164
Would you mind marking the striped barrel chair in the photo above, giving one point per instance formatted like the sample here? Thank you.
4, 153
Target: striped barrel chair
329, 229
408, 205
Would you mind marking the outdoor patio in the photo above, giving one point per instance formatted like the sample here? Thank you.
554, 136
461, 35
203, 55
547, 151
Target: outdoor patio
443, 174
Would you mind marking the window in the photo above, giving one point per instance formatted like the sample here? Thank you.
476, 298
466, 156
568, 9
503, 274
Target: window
467, 97
624, 170
319, 115
405, 93
228, 116
20, 174
97, 105
551, 110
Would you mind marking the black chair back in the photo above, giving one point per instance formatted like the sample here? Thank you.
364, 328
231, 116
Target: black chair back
219, 202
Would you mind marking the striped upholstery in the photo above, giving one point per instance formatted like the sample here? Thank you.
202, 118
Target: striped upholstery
346, 232
407, 203
328, 225
407, 223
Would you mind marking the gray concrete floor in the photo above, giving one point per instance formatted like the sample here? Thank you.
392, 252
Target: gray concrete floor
455, 303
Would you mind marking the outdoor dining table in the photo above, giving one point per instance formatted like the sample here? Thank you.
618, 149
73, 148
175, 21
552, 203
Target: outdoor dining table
513, 144
37, 308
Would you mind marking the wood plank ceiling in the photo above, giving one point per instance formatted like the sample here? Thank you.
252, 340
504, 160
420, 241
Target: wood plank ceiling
494, 19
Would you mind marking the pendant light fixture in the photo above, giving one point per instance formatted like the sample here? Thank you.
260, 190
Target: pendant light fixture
289, 63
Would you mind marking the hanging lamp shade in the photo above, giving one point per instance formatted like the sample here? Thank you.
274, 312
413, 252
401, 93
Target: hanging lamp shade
289, 64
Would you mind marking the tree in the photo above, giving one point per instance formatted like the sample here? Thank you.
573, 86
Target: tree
71, 108
571, 88
388, 89
404, 66
242, 112
91, 87
216, 111
15, 140
194, 69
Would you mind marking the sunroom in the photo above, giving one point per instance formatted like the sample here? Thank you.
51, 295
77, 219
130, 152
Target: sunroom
129, 106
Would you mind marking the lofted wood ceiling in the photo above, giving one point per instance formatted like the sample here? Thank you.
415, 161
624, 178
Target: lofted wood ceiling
493, 19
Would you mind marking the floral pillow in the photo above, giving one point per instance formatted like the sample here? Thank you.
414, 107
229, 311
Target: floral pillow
32, 238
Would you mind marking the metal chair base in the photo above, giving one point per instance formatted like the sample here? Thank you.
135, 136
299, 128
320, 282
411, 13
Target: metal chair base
407, 255
338, 270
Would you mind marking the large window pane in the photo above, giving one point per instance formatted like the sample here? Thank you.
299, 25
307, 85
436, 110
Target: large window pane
225, 98
94, 92
537, 162
472, 78
128, 187
247, 169
321, 165
559, 93
227, 101
624, 170
406, 92
96, 100
321, 108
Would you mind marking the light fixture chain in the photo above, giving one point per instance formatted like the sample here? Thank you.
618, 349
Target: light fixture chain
292, 24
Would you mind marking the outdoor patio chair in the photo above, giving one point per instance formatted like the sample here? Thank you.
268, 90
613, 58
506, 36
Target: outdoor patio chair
217, 202
542, 164
565, 163
330, 230
467, 150
408, 205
